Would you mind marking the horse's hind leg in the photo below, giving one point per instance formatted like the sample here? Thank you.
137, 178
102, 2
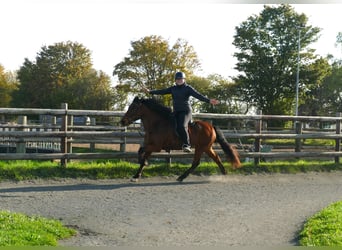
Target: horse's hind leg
195, 163
142, 159
213, 155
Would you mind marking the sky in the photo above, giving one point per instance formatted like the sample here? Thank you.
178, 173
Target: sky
107, 28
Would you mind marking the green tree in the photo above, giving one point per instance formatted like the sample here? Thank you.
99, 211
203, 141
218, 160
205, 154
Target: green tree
339, 44
121, 96
267, 59
339, 40
227, 92
92, 91
313, 104
202, 85
218, 87
7, 85
327, 98
153, 62
62, 73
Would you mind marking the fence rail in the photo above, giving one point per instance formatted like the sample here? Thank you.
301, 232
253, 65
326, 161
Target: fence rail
61, 137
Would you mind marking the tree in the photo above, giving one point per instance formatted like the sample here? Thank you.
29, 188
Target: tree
121, 95
91, 91
267, 59
216, 86
62, 73
7, 85
202, 85
153, 62
339, 44
326, 99
339, 40
316, 72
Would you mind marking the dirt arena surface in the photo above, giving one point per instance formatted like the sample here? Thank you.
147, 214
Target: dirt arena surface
235, 210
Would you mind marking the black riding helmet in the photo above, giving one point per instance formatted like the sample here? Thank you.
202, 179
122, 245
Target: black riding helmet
179, 75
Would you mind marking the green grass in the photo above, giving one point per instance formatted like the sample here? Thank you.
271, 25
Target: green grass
306, 142
17, 229
290, 167
324, 228
26, 170
111, 169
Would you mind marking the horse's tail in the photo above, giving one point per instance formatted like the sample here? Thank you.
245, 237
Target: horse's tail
230, 151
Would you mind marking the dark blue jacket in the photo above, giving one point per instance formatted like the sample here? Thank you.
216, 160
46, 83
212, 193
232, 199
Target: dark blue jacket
181, 95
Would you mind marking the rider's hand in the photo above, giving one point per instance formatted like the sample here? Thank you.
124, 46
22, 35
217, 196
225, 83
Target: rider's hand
146, 90
214, 101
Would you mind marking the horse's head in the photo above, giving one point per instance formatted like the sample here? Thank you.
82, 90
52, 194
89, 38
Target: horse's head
133, 113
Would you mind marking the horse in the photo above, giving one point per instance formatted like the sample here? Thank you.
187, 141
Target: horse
160, 134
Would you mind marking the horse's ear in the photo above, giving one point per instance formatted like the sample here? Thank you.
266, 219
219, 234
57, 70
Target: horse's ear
136, 99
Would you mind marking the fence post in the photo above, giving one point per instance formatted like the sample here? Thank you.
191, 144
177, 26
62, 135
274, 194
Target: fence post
257, 142
298, 130
21, 145
123, 141
169, 159
69, 143
92, 144
64, 139
338, 141
53, 120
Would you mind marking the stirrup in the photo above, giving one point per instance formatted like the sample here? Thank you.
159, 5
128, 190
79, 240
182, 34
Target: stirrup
186, 148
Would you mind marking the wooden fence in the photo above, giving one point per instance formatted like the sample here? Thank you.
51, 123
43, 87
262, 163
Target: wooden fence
61, 137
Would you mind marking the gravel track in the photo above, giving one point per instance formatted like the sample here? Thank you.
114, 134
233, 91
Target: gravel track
234, 210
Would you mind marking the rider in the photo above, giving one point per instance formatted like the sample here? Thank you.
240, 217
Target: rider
181, 92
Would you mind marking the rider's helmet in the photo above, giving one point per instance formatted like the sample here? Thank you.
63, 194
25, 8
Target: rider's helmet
179, 75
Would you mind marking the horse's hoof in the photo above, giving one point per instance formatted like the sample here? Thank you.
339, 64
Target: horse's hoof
134, 179
180, 179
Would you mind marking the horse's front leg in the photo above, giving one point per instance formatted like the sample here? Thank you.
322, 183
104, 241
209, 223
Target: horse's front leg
142, 159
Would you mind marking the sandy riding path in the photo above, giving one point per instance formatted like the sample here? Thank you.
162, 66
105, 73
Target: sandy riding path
253, 210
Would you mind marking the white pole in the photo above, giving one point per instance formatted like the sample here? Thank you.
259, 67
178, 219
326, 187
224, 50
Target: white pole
297, 78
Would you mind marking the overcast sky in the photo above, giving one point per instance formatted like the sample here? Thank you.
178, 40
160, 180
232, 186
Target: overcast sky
107, 28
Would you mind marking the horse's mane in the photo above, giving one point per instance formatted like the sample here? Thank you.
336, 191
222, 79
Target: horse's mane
154, 105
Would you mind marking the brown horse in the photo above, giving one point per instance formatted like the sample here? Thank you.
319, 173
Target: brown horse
160, 134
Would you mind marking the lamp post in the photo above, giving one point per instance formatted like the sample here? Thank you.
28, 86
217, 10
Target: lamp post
297, 77
297, 123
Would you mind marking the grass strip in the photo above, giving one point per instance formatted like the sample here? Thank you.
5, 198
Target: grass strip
17, 229
324, 228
